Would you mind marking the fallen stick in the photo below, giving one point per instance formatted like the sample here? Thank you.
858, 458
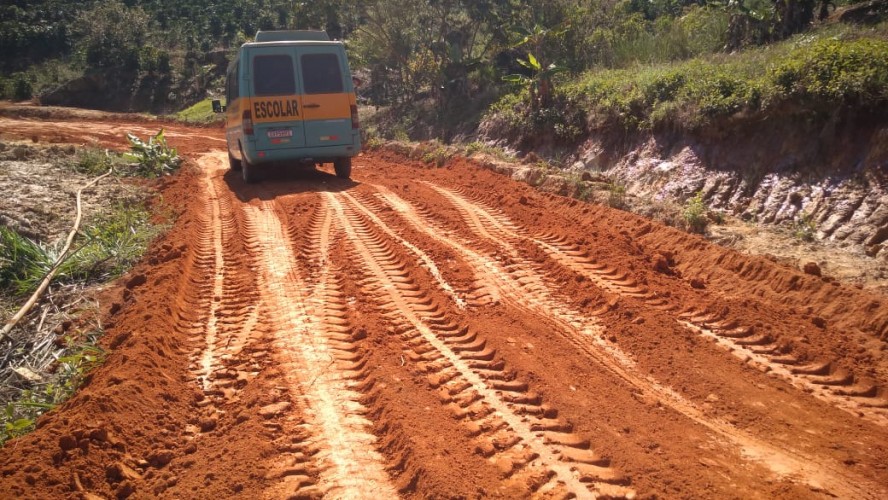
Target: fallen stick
55, 267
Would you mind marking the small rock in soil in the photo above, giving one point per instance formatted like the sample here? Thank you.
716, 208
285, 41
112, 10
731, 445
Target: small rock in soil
67, 443
818, 322
137, 280
811, 268
208, 424
160, 458
125, 489
99, 435
660, 263
274, 409
698, 284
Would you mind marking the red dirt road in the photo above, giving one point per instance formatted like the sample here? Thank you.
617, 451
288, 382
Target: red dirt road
447, 332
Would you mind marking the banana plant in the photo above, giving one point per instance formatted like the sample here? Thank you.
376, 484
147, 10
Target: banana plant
539, 83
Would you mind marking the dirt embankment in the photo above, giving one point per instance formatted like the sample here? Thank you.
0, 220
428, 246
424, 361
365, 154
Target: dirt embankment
828, 175
423, 332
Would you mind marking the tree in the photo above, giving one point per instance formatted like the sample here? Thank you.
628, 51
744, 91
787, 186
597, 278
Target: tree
111, 35
539, 82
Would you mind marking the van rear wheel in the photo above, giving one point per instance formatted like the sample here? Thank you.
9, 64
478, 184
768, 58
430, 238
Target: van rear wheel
234, 163
248, 171
343, 167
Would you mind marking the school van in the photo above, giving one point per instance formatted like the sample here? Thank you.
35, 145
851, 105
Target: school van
290, 99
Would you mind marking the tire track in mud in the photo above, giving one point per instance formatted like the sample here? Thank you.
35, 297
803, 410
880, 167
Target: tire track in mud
232, 337
837, 386
233, 307
323, 367
522, 286
512, 426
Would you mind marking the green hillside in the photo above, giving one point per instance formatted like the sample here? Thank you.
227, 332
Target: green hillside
632, 63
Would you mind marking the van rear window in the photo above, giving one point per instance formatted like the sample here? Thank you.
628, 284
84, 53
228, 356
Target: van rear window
321, 74
273, 75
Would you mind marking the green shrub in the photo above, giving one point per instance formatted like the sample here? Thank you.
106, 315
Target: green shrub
804, 228
616, 195
836, 71
154, 157
114, 242
438, 155
95, 161
694, 214
22, 88
836, 66
201, 113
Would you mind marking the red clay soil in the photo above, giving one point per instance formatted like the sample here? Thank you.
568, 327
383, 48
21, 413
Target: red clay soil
448, 332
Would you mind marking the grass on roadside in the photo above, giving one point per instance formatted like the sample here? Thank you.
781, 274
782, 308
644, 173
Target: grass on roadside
102, 251
200, 113
80, 357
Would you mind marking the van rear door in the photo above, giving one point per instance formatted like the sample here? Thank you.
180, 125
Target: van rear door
327, 96
275, 104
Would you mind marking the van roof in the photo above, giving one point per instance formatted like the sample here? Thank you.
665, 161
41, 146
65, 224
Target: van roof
291, 43
292, 36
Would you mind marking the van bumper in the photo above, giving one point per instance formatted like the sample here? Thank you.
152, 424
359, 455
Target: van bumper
316, 154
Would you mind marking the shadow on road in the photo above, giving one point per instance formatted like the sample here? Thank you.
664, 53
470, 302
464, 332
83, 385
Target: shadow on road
275, 181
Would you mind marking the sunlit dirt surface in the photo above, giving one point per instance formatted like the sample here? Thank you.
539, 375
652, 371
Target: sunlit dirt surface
448, 332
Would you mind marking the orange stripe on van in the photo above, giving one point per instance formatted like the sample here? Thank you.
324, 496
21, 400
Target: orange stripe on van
329, 106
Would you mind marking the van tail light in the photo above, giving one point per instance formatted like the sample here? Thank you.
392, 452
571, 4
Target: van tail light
248, 122
356, 123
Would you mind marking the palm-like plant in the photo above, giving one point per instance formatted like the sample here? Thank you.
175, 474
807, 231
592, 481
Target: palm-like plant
539, 82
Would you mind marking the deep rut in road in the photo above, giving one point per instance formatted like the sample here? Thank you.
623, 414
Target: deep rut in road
822, 378
514, 428
445, 332
520, 284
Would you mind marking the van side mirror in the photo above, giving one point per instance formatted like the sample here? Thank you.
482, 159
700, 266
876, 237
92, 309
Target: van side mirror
217, 106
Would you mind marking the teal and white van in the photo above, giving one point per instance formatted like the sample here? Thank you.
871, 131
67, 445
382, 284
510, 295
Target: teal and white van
290, 98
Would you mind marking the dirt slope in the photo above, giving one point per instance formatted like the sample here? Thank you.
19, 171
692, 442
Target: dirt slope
451, 333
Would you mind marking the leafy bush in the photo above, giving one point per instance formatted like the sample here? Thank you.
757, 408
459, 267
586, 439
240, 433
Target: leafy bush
154, 157
836, 71
616, 195
438, 156
815, 71
694, 214
95, 161
113, 244
805, 228
22, 88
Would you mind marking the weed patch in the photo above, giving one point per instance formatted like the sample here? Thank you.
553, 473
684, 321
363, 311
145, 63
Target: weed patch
96, 161
694, 214
153, 157
804, 228
79, 358
616, 195
102, 251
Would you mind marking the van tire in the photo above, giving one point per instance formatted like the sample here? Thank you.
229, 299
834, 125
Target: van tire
248, 171
343, 167
234, 163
